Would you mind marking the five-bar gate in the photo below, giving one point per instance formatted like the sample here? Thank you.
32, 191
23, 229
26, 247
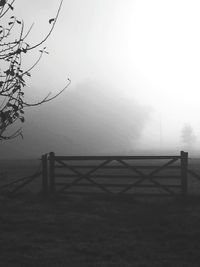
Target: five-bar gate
138, 175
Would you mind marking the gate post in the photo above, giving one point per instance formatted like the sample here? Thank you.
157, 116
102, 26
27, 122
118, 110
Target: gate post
184, 168
52, 172
44, 175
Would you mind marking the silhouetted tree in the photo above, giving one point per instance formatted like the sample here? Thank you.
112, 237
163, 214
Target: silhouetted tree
13, 49
187, 135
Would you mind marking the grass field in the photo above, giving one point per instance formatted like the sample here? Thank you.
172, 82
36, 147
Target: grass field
78, 231
98, 231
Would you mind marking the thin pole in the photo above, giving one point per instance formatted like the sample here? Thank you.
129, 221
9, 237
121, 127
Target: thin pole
184, 168
44, 175
160, 130
51, 172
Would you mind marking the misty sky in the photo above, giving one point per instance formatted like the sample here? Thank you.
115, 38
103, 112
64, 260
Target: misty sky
134, 67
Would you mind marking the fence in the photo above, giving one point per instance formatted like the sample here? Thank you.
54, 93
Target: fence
16, 185
138, 175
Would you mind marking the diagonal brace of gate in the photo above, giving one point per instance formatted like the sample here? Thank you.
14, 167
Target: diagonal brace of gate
147, 177
85, 176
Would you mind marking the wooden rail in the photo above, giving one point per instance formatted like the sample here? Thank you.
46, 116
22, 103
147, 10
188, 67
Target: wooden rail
115, 174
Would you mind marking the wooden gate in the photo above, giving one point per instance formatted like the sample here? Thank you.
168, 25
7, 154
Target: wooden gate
138, 175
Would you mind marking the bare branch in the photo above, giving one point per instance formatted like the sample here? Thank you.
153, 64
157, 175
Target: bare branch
47, 98
13, 48
3, 13
49, 33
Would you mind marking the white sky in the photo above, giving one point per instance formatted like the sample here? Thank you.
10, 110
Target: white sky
143, 50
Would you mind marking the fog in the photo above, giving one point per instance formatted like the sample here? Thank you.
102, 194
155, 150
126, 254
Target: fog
97, 116
89, 119
134, 67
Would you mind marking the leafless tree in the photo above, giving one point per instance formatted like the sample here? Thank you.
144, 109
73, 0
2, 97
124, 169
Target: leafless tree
13, 75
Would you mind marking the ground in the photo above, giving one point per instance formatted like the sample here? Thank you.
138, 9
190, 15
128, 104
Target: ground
99, 231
